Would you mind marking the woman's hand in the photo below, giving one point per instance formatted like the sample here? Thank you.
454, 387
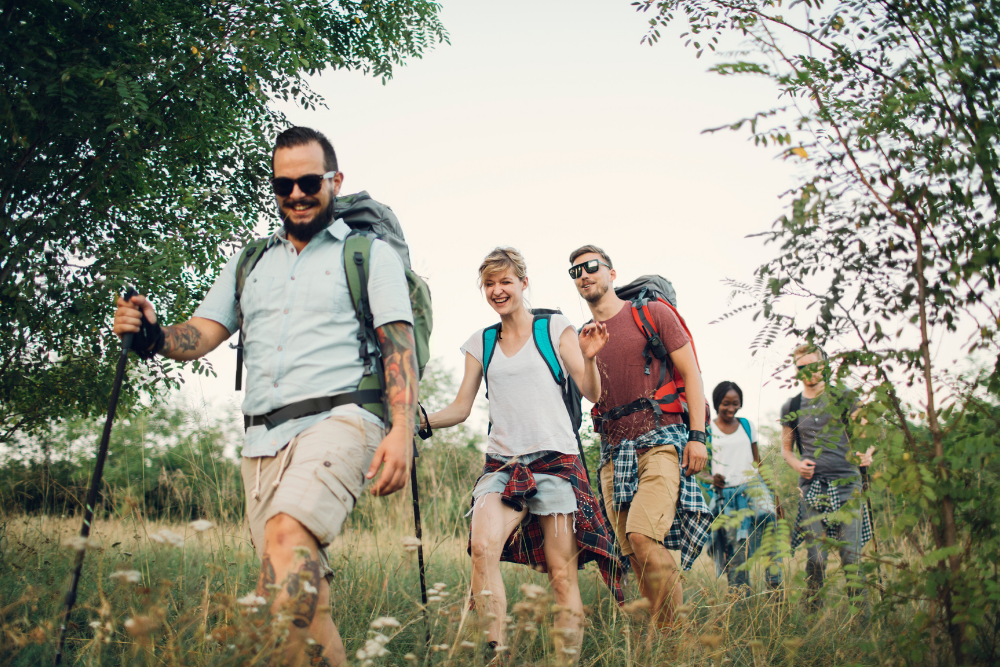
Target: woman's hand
718, 481
593, 337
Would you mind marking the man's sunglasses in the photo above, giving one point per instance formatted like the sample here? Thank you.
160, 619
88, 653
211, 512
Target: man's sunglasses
592, 266
812, 366
310, 184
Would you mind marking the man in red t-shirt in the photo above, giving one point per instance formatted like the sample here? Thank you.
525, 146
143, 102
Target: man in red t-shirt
641, 466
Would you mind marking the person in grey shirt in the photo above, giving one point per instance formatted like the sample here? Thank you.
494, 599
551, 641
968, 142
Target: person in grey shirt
310, 447
827, 467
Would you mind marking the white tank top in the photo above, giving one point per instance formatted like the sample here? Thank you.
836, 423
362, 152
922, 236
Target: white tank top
527, 412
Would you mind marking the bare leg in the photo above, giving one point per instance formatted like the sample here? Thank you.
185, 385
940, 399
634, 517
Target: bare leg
301, 593
659, 578
561, 552
492, 523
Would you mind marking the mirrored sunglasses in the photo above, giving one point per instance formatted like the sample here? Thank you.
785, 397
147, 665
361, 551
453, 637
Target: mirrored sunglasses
592, 266
309, 184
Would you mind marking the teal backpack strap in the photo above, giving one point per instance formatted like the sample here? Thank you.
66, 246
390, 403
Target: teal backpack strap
543, 343
745, 423
249, 257
490, 337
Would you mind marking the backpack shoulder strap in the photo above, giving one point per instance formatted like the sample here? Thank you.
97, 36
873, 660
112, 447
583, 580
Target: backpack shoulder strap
357, 253
745, 423
543, 343
793, 423
490, 337
249, 257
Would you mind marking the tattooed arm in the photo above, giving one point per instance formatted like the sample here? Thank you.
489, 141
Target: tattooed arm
399, 357
191, 340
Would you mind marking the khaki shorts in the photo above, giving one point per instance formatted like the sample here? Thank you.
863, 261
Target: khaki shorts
315, 479
651, 512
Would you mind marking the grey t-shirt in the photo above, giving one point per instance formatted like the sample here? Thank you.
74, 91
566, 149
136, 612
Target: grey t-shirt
823, 435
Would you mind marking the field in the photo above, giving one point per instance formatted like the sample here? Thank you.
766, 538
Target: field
146, 601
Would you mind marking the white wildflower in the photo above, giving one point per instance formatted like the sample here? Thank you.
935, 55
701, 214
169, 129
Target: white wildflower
381, 639
95, 624
434, 598
569, 650
439, 586
201, 525
410, 656
467, 644
440, 647
486, 592
130, 576
78, 543
251, 601
167, 536
384, 622
410, 543
361, 655
501, 648
532, 591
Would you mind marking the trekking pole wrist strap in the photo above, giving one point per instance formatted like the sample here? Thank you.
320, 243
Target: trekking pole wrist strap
149, 340
425, 432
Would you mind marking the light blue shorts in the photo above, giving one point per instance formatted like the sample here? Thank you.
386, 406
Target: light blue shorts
555, 494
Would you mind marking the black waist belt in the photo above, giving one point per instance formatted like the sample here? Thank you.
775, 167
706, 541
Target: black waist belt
311, 406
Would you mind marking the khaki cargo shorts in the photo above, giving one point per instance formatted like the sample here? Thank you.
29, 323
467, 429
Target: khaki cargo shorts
316, 479
652, 510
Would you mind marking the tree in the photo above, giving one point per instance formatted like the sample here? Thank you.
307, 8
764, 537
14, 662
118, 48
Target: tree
892, 238
136, 138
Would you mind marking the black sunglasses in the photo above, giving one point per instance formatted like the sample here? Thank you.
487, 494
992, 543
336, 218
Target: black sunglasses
310, 184
813, 365
591, 266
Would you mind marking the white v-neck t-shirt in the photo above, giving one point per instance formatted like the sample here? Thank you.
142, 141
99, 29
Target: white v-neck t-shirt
527, 412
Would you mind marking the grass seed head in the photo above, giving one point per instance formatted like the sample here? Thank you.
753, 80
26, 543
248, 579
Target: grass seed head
711, 639
201, 525
410, 543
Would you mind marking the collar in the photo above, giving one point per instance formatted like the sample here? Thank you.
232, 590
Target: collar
338, 230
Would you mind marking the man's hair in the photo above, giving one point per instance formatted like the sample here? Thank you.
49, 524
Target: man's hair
808, 348
300, 136
590, 248
722, 389
499, 261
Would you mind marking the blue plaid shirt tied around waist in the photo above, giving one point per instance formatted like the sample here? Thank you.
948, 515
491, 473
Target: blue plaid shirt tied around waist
692, 520
824, 497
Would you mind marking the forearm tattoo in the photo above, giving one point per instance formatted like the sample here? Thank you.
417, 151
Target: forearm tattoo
399, 358
303, 593
180, 339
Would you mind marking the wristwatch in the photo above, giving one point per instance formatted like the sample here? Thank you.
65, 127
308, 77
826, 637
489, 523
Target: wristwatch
697, 436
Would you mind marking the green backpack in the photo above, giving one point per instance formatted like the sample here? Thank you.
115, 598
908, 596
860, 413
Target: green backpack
368, 220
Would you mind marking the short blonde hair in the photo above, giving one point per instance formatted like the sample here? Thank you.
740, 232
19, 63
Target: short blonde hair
807, 348
500, 260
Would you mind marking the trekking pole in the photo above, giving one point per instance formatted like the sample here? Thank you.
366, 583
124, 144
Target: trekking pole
865, 486
419, 533
95, 485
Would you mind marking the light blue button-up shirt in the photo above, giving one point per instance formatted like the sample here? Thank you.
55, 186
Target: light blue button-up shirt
300, 327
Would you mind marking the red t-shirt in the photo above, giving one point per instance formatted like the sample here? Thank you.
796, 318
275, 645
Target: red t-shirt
621, 365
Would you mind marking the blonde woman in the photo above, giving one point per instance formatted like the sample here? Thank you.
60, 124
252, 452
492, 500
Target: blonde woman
533, 504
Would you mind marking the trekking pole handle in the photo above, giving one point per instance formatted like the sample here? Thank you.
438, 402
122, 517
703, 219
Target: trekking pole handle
130, 292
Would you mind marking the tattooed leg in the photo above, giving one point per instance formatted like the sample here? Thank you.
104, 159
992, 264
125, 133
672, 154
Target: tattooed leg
303, 593
267, 577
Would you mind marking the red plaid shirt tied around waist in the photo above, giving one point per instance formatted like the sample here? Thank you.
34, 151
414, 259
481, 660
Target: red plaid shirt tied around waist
524, 546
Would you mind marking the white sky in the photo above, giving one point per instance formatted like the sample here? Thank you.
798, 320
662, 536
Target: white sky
545, 126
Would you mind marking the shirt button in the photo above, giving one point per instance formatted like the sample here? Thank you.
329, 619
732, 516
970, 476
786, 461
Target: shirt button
275, 384
326, 463
293, 277
328, 272
286, 311
279, 348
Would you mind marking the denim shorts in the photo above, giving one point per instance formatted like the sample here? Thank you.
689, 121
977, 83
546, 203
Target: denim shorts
555, 494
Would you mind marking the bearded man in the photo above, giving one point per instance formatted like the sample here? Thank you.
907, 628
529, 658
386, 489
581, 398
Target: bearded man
310, 448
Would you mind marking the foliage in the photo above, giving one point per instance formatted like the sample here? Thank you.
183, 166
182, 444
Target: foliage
137, 137
892, 239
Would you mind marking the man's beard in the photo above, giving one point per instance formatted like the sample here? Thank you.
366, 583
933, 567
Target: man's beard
304, 231
597, 293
